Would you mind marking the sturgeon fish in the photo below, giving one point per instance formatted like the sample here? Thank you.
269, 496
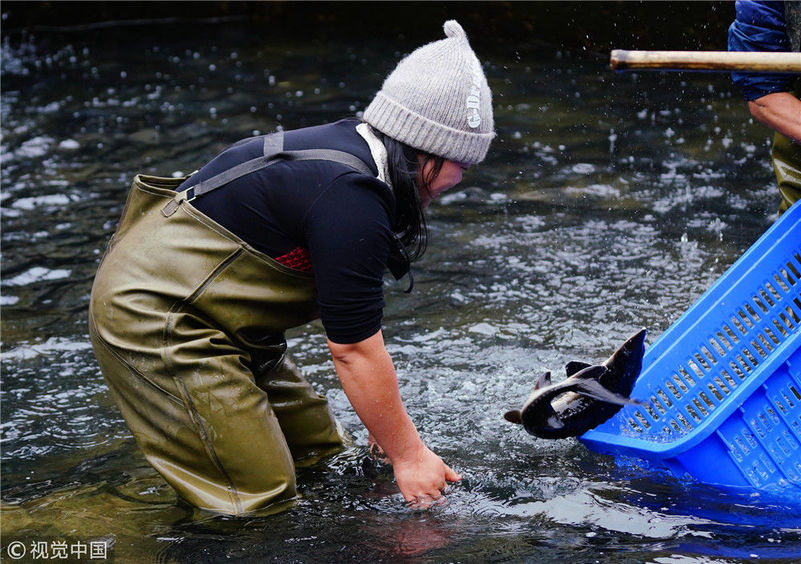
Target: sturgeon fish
589, 396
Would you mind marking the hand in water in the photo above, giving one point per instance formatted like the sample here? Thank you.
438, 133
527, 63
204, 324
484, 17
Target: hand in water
423, 477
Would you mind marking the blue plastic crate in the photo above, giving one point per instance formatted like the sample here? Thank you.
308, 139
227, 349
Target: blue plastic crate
724, 381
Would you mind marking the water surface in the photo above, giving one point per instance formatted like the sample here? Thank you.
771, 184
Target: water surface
609, 202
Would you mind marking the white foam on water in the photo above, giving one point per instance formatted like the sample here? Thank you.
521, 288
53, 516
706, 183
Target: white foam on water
37, 274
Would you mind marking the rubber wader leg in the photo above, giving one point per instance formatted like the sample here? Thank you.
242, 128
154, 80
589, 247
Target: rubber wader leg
786, 157
214, 436
175, 306
311, 430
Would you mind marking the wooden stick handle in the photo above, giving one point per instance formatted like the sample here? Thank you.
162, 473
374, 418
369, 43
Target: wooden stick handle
706, 61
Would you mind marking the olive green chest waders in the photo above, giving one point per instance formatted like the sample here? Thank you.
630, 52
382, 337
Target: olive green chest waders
786, 157
187, 322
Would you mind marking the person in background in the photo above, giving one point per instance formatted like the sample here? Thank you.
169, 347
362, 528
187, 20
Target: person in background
773, 99
205, 274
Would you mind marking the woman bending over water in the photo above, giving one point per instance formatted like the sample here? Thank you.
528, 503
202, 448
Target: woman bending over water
205, 274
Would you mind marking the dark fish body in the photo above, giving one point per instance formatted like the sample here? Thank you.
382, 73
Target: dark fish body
587, 398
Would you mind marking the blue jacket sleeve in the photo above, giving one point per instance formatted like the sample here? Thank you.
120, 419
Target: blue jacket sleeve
759, 26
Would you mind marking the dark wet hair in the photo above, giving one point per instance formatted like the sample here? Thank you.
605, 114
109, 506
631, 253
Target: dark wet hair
410, 222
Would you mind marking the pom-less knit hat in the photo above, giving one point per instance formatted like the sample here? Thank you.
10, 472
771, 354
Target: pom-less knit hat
437, 100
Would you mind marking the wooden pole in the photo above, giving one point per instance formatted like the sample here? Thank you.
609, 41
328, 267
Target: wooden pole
721, 61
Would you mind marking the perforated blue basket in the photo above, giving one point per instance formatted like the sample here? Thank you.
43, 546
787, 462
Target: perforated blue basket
724, 381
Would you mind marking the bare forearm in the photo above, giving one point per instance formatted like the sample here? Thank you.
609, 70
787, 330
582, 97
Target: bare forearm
368, 378
781, 111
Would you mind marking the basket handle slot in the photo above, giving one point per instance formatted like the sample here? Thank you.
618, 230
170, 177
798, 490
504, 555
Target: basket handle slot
720, 391
739, 325
687, 378
669, 385
651, 411
763, 297
747, 364
699, 407
706, 400
665, 404
695, 368
787, 321
773, 337
729, 379
739, 370
782, 330
717, 347
707, 354
684, 421
731, 334
749, 321
758, 348
791, 266
782, 280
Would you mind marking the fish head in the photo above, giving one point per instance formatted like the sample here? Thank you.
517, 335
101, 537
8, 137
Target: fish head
516, 415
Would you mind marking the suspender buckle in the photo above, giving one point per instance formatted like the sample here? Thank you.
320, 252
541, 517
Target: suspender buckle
189, 195
172, 206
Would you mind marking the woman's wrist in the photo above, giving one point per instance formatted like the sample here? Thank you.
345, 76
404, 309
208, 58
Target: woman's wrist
410, 455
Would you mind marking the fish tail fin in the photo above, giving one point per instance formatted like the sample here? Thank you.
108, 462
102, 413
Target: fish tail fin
628, 358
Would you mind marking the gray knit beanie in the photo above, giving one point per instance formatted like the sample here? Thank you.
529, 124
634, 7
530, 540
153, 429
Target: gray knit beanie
437, 100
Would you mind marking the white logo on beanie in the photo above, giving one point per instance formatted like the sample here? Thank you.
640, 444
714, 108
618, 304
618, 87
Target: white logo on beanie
473, 101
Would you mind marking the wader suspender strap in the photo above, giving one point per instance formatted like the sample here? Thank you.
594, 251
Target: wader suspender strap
272, 153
